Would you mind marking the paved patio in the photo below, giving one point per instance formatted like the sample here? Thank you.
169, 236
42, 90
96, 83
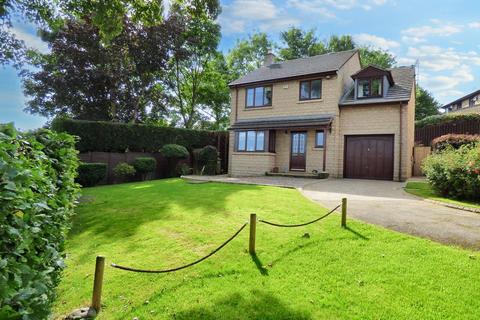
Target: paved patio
384, 203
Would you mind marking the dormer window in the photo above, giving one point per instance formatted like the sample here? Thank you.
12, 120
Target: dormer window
369, 88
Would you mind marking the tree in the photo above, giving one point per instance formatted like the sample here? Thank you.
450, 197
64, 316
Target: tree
426, 105
340, 43
85, 79
248, 54
194, 47
299, 44
376, 57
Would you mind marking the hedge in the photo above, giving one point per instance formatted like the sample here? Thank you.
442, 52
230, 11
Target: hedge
37, 198
120, 137
446, 118
454, 140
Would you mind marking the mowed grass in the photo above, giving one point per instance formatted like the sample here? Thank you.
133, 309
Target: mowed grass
423, 189
363, 272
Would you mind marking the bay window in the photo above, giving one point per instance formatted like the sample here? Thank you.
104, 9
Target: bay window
250, 141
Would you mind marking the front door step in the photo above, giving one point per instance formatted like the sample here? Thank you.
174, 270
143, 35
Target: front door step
320, 175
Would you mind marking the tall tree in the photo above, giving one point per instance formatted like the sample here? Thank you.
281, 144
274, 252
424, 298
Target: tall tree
248, 54
195, 47
376, 57
85, 79
299, 44
340, 43
426, 105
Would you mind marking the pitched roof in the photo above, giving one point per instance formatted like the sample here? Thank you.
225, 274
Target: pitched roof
404, 79
325, 63
283, 122
468, 96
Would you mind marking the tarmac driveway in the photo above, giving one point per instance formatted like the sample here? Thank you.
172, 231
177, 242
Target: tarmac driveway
386, 203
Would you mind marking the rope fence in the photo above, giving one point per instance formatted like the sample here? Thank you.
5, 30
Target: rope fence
301, 224
187, 265
100, 262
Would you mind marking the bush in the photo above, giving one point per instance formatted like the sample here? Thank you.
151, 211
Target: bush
208, 159
90, 174
454, 140
455, 173
37, 197
183, 169
174, 151
124, 170
145, 165
445, 118
119, 137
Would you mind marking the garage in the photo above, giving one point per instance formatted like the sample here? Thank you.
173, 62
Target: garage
369, 157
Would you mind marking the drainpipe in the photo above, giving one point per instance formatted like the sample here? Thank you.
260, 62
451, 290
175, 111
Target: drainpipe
236, 104
400, 146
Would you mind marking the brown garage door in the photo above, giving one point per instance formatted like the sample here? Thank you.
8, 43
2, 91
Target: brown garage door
369, 157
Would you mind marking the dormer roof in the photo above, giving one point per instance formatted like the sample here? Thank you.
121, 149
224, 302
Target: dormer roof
374, 72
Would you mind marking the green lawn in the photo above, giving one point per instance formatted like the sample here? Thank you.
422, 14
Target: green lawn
364, 272
423, 189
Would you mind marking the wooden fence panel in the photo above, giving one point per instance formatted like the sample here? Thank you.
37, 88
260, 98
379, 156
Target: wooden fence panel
425, 135
419, 154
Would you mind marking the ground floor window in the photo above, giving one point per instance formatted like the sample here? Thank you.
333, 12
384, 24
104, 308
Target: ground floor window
319, 139
250, 141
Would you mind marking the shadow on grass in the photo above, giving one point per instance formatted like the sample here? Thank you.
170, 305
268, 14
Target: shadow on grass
259, 264
358, 234
262, 305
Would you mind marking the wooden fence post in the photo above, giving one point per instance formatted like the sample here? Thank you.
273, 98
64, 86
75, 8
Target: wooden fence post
253, 226
97, 283
344, 212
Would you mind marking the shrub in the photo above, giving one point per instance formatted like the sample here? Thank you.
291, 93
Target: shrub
124, 170
37, 198
454, 140
144, 165
90, 174
445, 118
455, 173
183, 169
208, 159
174, 151
118, 137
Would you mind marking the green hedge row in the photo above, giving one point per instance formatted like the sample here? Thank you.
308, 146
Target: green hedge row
121, 137
445, 118
37, 198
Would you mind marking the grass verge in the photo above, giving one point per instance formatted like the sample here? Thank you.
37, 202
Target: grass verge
362, 272
423, 189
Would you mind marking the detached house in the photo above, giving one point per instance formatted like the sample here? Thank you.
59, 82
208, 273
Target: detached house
467, 104
323, 114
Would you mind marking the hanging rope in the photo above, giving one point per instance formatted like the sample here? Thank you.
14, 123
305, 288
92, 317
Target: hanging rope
301, 224
187, 265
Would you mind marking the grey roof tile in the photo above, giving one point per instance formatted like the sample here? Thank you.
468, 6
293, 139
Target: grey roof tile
284, 122
329, 62
404, 78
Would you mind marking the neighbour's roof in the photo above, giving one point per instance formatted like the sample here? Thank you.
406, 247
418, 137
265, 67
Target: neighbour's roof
283, 122
468, 96
325, 63
403, 78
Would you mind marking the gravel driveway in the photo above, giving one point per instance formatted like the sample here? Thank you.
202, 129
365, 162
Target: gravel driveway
384, 203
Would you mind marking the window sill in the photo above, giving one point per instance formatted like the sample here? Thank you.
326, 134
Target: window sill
318, 148
257, 108
309, 101
253, 153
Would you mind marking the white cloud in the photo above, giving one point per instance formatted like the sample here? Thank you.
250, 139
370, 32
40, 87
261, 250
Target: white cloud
325, 7
254, 9
308, 6
435, 58
375, 41
419, 34
31, 40
474, 25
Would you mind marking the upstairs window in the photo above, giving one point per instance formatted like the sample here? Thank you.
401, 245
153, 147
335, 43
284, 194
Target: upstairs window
369, 88
259, 97
311, 89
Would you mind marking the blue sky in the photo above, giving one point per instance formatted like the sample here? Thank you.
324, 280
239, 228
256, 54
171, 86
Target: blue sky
443, 35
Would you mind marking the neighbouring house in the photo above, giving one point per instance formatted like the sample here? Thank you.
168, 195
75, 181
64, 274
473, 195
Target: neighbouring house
323, 114
467, 104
